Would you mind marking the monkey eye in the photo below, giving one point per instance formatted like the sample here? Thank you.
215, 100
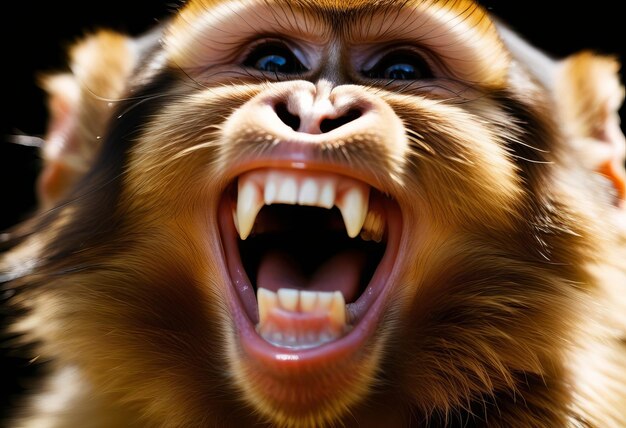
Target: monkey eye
274, 57
400, 65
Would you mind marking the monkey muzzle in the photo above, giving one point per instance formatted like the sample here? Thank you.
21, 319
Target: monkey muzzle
310, 240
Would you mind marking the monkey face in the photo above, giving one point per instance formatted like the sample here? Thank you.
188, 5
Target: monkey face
319, 212
331, 177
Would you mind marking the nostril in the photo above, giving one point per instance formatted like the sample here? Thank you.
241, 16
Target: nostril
328, 125
288, 119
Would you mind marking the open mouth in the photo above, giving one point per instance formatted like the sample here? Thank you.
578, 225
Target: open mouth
310, 255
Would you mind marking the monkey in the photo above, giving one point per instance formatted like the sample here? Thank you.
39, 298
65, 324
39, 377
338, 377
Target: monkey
297, 213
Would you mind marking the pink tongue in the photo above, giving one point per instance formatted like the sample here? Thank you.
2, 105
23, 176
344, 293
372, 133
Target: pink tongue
340, 273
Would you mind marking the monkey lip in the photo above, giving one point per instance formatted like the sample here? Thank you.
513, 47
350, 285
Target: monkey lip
366, 297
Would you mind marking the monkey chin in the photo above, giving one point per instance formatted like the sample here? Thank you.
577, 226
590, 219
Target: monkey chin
302, 355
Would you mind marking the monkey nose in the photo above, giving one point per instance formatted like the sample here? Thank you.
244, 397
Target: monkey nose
315, 120
315, 110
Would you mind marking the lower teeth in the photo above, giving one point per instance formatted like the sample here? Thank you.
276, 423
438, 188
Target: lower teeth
300, 319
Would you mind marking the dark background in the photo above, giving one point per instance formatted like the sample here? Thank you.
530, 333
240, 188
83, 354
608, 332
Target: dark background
35, 35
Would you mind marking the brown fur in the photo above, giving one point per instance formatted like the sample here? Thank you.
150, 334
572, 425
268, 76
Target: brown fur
508, 305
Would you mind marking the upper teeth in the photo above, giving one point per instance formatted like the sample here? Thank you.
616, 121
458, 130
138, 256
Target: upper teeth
267, 187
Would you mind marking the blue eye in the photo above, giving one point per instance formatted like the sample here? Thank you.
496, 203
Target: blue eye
274, 57
274, 63
400, 65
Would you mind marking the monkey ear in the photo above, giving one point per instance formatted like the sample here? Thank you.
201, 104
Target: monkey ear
80, 104
589, 94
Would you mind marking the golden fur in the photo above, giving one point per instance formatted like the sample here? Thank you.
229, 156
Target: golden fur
508, 306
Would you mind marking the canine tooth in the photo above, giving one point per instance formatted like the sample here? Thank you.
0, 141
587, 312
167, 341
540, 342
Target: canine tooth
288, 191
235, 221
308, 192
249, 203
267, 300
288, 298
353, 207
369, 220
308, 301
338, 309
324, 299
327, 194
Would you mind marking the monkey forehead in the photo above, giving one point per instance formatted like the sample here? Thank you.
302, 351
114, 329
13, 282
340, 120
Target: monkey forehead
461, 31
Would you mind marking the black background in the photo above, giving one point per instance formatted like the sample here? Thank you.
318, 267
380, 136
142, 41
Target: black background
35, 36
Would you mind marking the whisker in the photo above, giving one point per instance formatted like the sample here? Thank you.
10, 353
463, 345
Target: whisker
26, 140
